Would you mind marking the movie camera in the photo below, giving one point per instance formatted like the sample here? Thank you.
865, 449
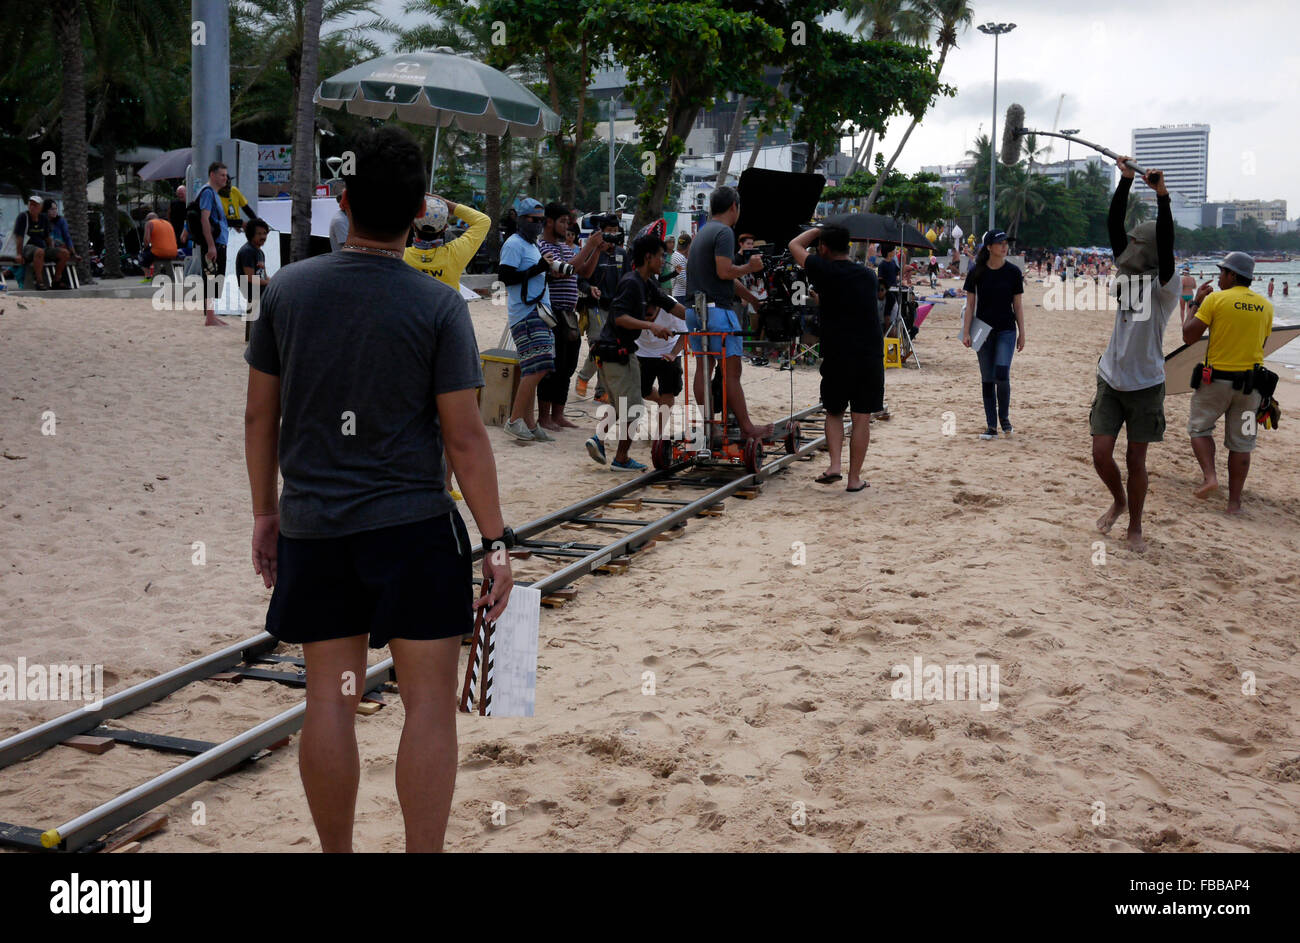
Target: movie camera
788, 311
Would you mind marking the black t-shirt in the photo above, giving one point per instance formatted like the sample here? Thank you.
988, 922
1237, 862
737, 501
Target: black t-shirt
850, 326
250, 257
176, 216
993, 294
631, 297
33, 233
610, 267
888, 273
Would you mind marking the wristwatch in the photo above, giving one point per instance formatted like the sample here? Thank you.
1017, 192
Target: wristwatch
507, 538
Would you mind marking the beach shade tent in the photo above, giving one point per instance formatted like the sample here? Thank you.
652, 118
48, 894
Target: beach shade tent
872, 227
170, 166
441, 89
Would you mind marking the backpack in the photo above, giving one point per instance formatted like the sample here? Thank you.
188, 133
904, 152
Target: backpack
194, 220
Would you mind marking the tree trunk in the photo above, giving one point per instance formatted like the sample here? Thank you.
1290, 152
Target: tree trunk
72, 170
569, 170
875, 191
304, 138
760, 138
863, 155
112, 233
651, 204
737, 123
492, 186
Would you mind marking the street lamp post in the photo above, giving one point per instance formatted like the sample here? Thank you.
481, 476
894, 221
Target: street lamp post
1067, 154
996, 30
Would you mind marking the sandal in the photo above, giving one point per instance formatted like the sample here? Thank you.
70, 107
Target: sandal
827, 479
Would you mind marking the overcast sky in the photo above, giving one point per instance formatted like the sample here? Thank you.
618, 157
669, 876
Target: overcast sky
1121, 65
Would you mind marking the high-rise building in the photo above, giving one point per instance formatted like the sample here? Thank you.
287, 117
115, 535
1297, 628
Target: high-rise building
1181, 151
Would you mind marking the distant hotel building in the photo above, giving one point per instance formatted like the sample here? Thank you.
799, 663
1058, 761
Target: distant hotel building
1182, 152
1231, 212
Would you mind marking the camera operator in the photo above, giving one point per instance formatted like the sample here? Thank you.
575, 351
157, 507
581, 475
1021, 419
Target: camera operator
612, 263
853, 371
615, 349
521, 269
711, 269
750, 294
553, 391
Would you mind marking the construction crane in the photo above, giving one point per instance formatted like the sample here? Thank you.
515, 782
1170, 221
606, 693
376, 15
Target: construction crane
1055, 121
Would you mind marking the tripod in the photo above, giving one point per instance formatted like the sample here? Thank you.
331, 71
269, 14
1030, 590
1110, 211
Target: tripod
898, 327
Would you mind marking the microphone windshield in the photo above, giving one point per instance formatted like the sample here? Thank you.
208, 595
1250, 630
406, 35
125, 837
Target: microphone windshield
1011, 134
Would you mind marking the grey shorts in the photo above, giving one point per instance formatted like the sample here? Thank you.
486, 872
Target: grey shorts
1217, 399
622, 381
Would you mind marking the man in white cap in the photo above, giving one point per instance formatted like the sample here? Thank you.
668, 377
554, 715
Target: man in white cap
1239, 321
33, 227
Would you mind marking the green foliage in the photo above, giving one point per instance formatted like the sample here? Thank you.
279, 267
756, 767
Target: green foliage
914, 197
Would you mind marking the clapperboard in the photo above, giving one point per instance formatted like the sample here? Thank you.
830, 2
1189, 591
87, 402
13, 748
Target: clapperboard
501, 677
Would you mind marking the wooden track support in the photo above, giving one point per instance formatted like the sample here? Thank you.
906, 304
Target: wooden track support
95, 745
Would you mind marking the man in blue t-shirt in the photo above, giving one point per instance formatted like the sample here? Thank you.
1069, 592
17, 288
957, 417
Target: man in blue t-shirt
522, 268
213, 233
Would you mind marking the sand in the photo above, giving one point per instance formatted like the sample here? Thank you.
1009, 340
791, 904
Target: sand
771, 725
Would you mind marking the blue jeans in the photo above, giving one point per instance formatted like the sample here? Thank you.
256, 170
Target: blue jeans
995, 376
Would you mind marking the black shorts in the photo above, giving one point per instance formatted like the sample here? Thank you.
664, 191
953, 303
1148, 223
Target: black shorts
212, 283
667, 372
411, 581
859, 386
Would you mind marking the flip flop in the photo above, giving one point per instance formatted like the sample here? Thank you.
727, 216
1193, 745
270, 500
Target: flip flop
862, 487
827, 479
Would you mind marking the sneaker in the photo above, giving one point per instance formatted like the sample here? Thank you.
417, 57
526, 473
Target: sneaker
541, 435
518, 429
1008, 431
630, 465
989, 434
596, 449
581, 388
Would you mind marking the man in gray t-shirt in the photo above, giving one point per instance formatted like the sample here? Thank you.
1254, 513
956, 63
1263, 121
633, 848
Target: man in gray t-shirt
338, 231
361, 370
1131, 372
711, 268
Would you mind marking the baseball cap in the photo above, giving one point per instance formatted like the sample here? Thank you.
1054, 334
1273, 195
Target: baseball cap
994, 235
1240, 263
35, 199
529, 207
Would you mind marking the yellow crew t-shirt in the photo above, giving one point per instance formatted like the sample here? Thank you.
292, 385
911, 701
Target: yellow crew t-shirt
233, 204
447, 262
1240, 321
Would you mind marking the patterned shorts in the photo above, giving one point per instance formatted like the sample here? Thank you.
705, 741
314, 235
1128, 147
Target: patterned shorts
536, 345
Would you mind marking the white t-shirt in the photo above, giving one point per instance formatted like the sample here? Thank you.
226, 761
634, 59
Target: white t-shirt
647, 345
1135, 358
678, 261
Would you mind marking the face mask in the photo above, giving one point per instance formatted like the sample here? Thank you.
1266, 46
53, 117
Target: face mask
530, 229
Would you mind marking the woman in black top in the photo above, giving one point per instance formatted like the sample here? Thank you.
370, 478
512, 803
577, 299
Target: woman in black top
994, 290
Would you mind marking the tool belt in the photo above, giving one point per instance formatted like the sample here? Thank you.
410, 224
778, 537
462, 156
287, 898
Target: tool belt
1258, 379
1241, 379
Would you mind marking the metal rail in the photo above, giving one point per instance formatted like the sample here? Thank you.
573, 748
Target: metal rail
83, 830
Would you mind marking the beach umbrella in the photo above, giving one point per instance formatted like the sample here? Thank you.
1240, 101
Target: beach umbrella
441, 89
872, 227
170, 166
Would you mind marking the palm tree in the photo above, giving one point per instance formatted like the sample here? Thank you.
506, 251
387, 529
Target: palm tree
978, 174
73, 166
950, 17
1022, 192
127, 39
1136, 211
305, 167
899, 21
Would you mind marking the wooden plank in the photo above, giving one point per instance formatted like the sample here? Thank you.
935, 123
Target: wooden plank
133, 831
633, 504
715, 510
231, 677
126, 849
747, 494
553, 602
95, 745
567, 593
367, 708
520, 554
612, 569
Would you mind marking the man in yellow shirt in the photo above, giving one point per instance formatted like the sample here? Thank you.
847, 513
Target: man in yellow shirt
236, 206
445, 261
1239, 321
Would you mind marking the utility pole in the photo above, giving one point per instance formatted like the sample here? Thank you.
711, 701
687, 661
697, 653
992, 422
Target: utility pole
996, 30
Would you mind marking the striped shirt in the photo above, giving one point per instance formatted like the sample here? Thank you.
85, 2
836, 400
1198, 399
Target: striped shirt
564, 291
679, 283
